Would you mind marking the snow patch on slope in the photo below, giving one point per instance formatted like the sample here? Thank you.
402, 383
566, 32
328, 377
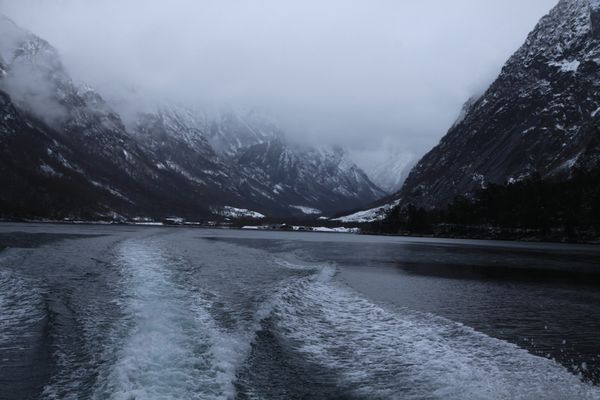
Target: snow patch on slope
371, 215
308, 210
234, 212
566, 65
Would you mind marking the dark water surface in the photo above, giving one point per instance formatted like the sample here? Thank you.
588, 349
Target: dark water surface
102, 312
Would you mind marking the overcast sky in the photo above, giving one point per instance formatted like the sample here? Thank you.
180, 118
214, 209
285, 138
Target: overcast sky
365, 74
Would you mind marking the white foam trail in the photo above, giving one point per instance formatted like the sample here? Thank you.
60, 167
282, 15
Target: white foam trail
170, 347
383, 354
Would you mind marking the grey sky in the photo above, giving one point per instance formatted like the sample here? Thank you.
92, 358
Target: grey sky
359, 73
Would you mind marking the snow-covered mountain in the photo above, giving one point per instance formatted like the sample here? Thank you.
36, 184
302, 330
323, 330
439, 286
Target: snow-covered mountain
67, 147
541, 117
63, 143
233, 131
250, 155
323, 179
390, 169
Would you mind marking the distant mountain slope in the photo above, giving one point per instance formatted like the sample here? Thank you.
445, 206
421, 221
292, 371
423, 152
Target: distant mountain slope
391, 170
541, 117
232, 131
251, 157
61, 122
309, 177
64, 145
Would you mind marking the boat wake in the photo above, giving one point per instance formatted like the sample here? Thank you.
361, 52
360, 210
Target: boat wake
168, 345
181, 328
378, 353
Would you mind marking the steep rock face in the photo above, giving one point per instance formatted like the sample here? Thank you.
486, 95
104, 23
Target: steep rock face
41, 176
539, 118
175, 139
72, 135
324, 179
43, 171
595, 18
253, 165
41, 88
8, 122
175, 143
45, 174
232, 131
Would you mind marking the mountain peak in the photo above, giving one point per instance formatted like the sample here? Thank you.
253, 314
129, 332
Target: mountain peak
20, 45
563, 30
536, 119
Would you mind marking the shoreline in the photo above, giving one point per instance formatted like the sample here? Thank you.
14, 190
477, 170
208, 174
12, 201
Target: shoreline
479, 238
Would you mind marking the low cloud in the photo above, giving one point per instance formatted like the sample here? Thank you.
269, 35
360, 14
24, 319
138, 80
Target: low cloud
362, 74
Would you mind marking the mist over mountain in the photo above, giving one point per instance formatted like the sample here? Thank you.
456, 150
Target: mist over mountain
387, 168
65, 145
522, 160
351, 74
233, 115
299, 199
535, 127
539, 119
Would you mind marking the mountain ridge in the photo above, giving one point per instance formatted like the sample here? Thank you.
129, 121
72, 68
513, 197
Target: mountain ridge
167, 165
538, 118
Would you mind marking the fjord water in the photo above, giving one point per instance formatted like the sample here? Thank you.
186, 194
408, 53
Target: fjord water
103, 312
